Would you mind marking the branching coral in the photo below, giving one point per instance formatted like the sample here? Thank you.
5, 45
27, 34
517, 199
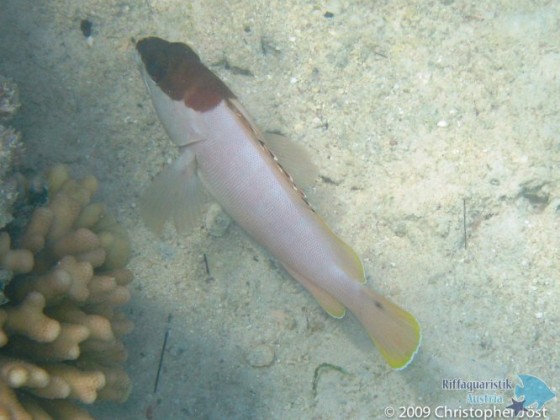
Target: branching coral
10, 148
60, 333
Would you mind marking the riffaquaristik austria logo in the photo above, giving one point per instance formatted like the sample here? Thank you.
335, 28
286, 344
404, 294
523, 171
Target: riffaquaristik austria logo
529, 399
532, 393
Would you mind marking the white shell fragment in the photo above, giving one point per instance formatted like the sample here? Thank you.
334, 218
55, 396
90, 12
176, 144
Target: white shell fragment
261, 355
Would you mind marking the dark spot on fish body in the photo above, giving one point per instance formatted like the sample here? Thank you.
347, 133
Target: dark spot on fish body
378, 304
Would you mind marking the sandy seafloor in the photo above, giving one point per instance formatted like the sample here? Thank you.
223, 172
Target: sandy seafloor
410, 109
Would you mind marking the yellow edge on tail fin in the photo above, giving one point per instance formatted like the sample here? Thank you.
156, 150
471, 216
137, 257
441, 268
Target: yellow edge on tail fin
394, 331
400, 360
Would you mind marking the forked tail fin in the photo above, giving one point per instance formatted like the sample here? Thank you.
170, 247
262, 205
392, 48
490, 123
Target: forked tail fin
394, 331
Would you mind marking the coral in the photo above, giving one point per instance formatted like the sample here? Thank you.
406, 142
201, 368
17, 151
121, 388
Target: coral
10, 147
9, 98
61, 332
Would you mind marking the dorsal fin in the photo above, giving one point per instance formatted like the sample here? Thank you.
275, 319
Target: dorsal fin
283, 149
293, 157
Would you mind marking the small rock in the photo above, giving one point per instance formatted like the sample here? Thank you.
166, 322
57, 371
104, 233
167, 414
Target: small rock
536, 191
400, 229
284, 319
217, 222
261, 355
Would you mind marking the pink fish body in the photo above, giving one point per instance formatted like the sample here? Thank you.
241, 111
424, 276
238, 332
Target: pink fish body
225, 152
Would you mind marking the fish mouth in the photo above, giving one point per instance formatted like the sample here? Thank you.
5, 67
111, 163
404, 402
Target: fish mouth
137, 56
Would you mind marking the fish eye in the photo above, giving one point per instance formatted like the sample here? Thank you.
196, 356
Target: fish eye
155, 68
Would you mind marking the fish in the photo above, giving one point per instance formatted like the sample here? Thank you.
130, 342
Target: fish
534, 391
223, 152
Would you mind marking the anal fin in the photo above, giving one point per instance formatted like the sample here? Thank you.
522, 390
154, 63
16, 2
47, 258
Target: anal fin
327, 301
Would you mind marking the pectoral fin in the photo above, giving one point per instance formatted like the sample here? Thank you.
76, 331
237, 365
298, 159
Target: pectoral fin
175, 195
331, 305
